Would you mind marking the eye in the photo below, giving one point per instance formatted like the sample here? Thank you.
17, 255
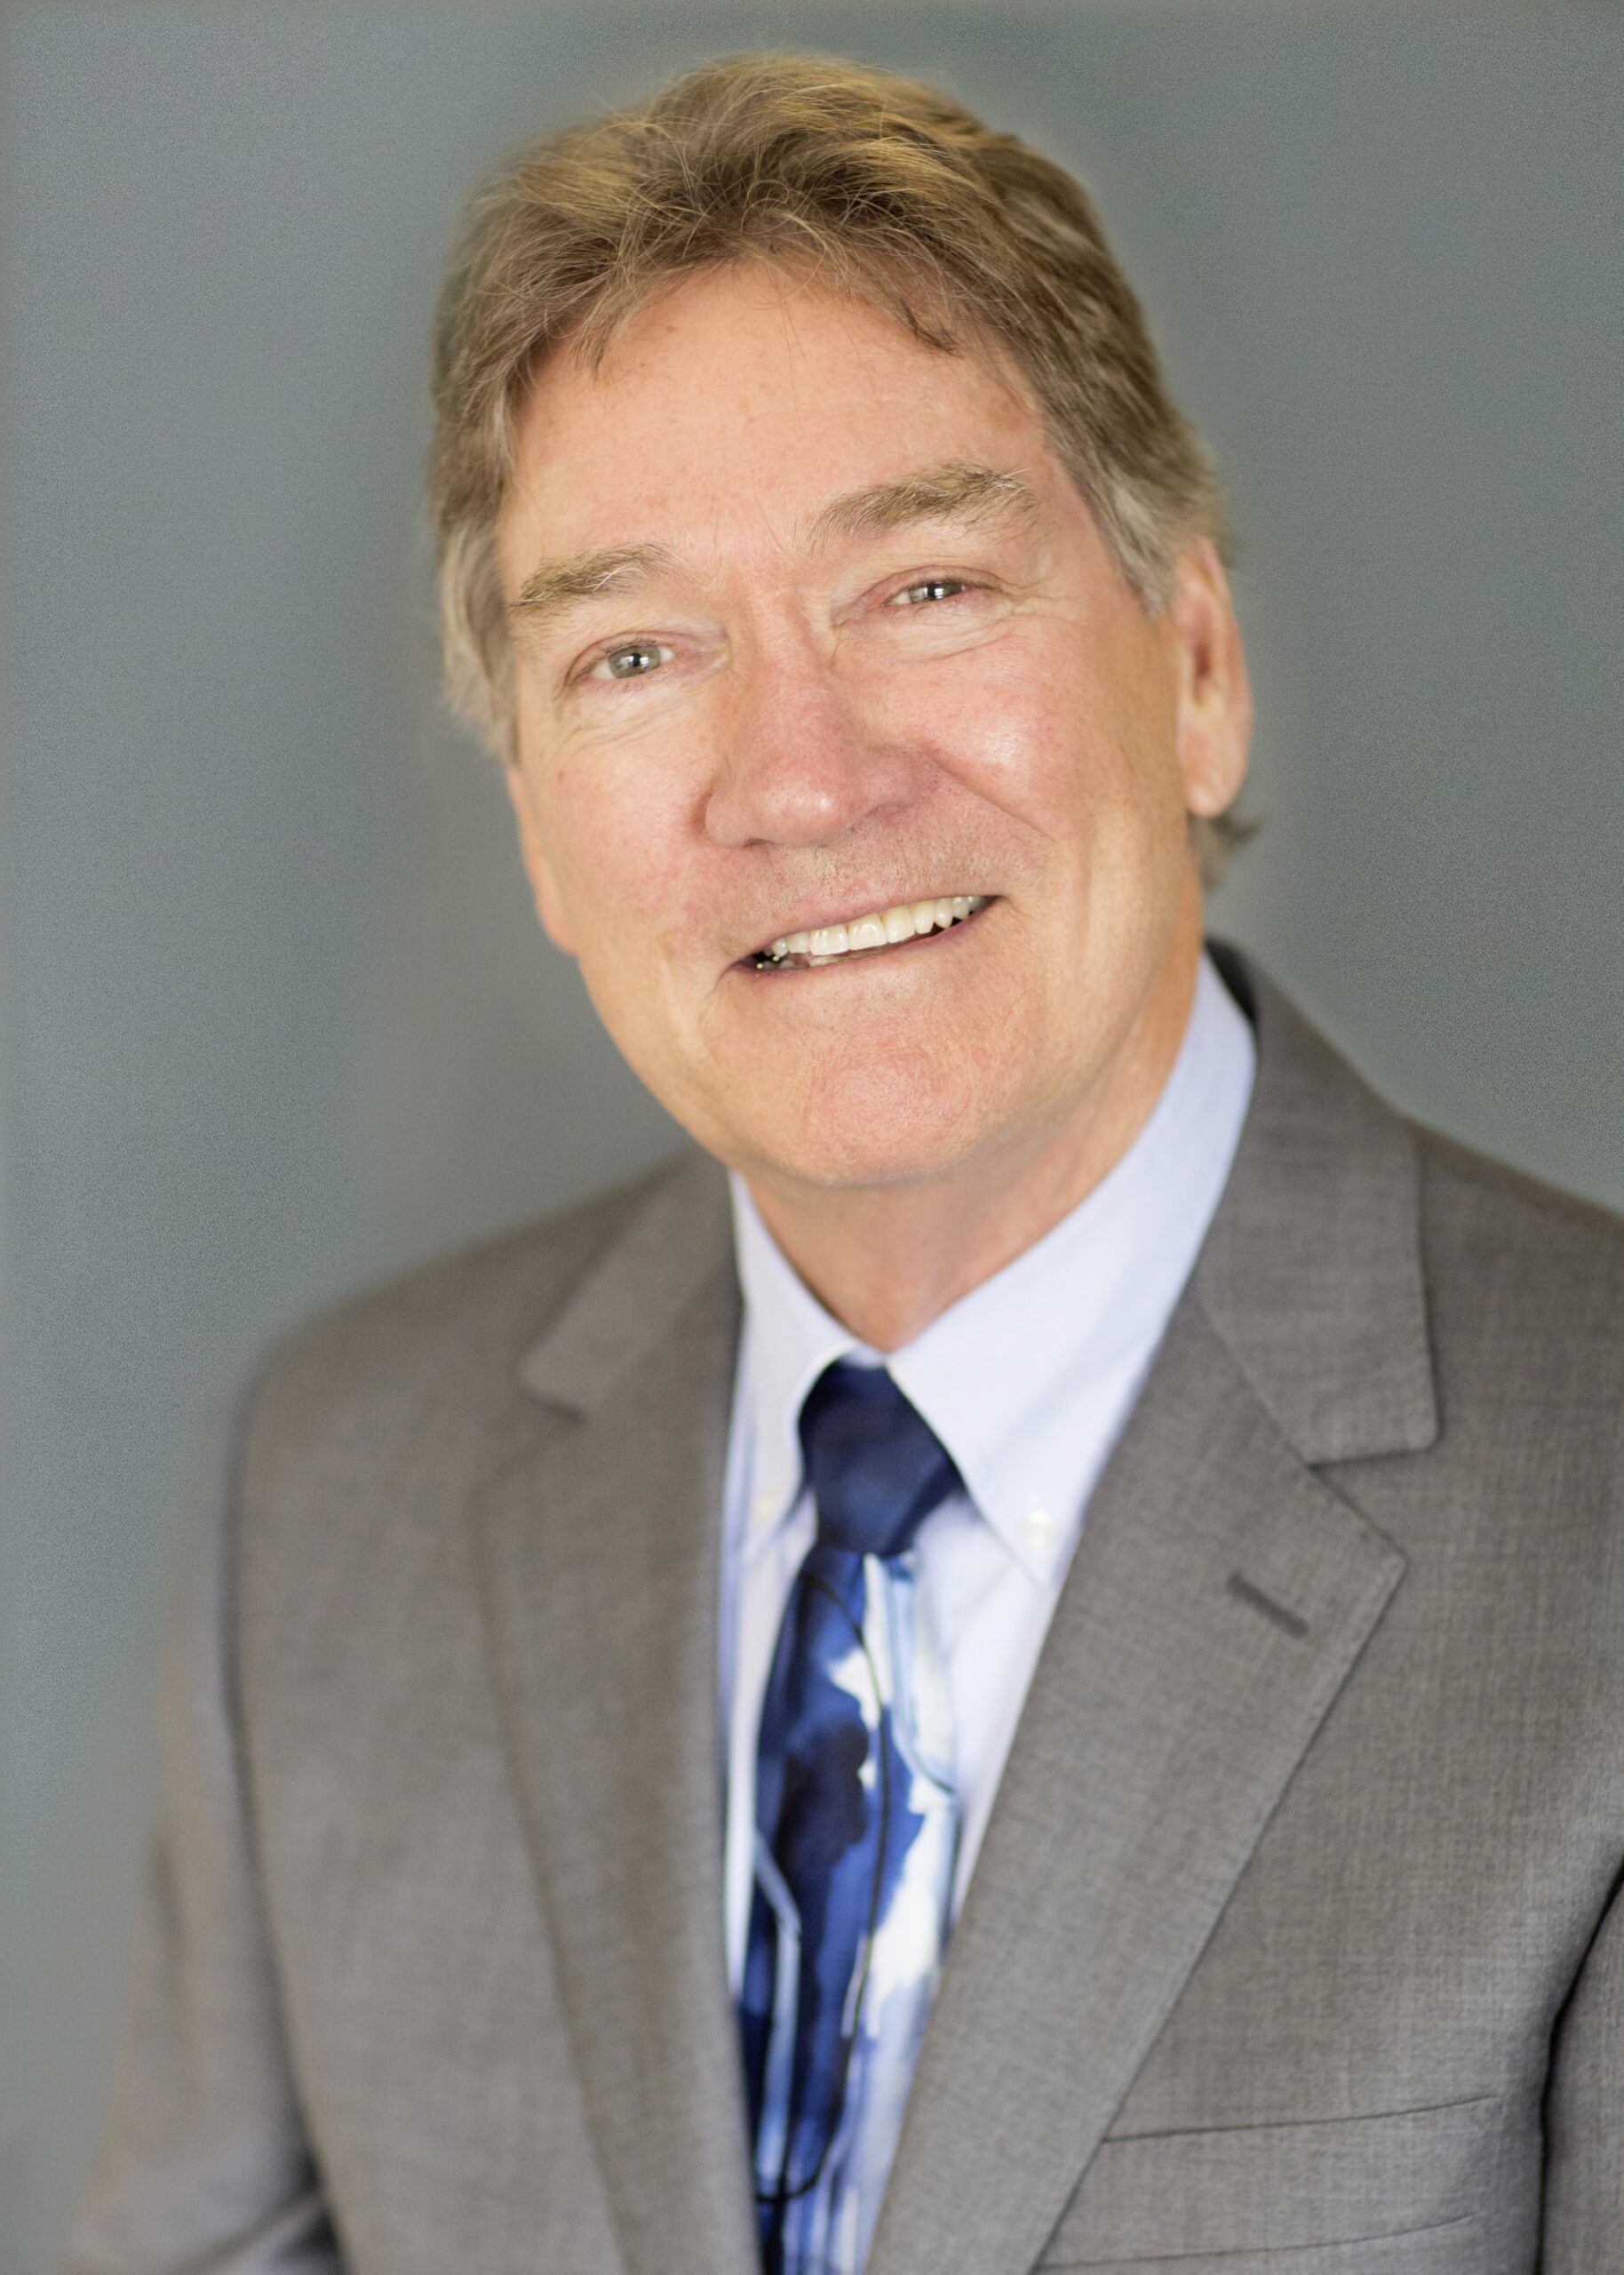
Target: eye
632, 660
928, 589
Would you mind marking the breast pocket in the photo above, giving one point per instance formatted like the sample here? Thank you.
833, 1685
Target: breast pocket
1411, 2186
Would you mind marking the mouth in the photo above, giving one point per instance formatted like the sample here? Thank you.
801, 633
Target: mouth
885, 930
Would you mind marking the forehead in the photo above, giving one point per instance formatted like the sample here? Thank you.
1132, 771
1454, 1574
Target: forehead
740, 400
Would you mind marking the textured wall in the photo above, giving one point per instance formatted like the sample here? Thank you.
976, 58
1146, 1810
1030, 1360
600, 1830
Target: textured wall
276, 1016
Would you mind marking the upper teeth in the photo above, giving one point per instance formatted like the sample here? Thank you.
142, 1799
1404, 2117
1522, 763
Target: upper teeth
884, 929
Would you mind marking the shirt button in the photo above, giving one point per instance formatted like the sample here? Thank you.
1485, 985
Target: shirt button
1038, 1531
761, 1511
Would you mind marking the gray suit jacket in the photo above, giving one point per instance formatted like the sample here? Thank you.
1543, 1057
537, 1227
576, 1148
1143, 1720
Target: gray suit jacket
1292, 1945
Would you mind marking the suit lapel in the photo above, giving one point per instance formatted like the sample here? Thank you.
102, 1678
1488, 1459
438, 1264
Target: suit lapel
601, 1547
1219, 1599
1219, 1596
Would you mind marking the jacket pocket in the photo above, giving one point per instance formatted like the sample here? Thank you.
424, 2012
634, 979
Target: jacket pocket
1281, 2187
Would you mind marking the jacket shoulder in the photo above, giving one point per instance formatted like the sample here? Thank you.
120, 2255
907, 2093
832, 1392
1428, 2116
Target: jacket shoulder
1530, 1275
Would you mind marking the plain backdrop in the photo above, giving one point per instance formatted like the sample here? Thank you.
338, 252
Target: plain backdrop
277, 1020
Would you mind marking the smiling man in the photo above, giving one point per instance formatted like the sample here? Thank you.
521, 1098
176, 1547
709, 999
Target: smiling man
857, 776
1017, 1662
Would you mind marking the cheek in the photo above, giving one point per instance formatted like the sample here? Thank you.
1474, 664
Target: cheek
1065, 753
615, 837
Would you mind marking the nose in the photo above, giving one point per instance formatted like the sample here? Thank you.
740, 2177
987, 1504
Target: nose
803, 760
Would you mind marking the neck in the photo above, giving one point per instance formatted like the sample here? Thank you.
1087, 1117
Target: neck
887, 1260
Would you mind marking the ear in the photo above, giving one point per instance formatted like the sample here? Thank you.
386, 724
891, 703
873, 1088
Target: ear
1215, 714
538, 867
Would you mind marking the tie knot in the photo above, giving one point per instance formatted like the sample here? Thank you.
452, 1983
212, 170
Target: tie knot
876, 1467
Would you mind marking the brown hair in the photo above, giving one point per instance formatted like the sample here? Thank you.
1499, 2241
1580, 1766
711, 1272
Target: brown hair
884, 187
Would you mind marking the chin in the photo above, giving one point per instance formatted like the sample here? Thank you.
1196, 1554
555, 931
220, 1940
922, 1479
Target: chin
897, 1131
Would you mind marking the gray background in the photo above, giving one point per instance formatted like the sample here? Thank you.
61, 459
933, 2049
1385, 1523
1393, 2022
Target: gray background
277, 1020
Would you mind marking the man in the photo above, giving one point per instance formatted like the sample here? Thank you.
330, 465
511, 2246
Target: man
1032, 1676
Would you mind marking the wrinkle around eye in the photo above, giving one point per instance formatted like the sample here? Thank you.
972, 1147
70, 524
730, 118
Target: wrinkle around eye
972, 610
681, 656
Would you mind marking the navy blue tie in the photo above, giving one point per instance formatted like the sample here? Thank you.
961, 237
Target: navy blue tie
857, 1824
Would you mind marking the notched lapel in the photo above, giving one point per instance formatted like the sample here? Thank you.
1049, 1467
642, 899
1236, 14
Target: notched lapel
600, 1552
1220, 1595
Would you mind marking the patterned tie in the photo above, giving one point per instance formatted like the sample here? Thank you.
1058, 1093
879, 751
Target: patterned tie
856, 1826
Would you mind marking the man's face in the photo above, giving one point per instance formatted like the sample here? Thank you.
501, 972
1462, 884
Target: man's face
811, 625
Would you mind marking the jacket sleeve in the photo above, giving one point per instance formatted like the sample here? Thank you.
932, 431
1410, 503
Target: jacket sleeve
1584, 2113
204, 2164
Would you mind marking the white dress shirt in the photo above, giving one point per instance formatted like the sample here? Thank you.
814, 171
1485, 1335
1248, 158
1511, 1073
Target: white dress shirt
1027, 1382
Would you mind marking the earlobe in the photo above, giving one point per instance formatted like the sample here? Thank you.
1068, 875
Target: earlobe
538, 867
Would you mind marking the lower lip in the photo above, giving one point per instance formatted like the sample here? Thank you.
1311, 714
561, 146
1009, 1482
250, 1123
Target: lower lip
864, 958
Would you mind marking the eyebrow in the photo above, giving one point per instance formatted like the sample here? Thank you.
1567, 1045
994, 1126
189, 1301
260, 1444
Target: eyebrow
953, 492
560, 586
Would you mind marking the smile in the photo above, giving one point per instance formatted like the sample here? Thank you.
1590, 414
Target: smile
887, 928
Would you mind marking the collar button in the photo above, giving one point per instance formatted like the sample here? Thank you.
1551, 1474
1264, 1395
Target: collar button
1038, 1532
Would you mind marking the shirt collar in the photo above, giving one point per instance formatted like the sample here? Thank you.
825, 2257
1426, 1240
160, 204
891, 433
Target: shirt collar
788, 1340
1011, 1377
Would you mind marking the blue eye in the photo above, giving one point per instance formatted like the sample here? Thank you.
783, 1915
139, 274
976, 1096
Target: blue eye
635, 660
